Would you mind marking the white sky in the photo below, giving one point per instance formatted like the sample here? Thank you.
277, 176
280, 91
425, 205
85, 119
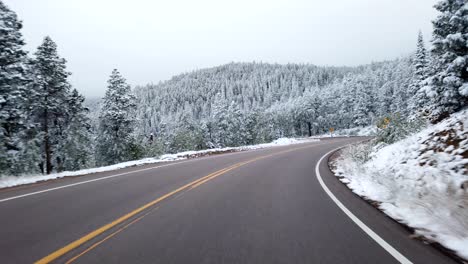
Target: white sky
152, 40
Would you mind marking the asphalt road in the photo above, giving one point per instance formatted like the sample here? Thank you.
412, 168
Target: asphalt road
262, 206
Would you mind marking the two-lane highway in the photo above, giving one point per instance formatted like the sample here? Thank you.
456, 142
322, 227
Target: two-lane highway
263, 206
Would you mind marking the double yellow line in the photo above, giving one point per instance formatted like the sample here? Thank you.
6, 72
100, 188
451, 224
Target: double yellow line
57, 254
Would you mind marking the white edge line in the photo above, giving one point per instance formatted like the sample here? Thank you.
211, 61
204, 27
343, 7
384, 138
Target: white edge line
125, 173
102, 178
88, 181
397, 255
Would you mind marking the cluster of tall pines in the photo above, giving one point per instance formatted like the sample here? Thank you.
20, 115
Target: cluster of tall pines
45, 126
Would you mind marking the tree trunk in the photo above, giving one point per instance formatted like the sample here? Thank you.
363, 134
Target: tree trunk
309, 126
48, 153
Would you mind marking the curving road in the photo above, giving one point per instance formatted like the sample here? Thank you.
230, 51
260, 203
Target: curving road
262, 206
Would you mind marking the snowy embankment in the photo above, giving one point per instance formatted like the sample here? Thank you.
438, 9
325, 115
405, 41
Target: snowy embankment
10, 181
421, 181
356, 131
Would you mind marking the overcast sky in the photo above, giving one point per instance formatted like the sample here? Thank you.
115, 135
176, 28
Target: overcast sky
150, 41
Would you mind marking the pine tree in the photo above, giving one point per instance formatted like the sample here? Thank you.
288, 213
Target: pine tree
419, 100
345, 101
187, 135
13, 98
116, 140
363, 104
235, 130
75, 150
252, 125
448, 87
420, 58
220, 121
306, 113
51, 91
403, 75
386, 98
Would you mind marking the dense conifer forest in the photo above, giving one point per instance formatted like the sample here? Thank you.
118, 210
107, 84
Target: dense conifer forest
46, 126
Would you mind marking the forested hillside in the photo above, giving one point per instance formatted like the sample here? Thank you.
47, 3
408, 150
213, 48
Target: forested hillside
247, 103
45, 126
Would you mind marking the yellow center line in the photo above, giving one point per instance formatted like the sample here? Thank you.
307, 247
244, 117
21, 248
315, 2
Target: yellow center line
64, 250
77, 243
215, 175
108, 237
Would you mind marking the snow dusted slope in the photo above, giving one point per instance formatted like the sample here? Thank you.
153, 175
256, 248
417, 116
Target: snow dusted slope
421, 181
10, 181
356, 131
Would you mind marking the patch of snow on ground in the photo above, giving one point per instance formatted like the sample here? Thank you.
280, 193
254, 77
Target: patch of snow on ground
10, 181
356, 131
419, 181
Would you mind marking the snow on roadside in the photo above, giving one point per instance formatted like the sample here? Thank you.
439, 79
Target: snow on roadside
356, 131
421, 181
10, 181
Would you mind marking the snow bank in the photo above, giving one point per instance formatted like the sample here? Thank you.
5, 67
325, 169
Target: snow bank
10, 181
356, 131
421, 181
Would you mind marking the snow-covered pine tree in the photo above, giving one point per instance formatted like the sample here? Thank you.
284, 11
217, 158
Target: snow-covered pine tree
13, 98
420, 58
219, 121
236, 131
448, 85
344, 104
75, 150
418, 100
186, 135
253, 127
402, 75
386, 98
306, 113
51, 92
363, 104
116, 141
